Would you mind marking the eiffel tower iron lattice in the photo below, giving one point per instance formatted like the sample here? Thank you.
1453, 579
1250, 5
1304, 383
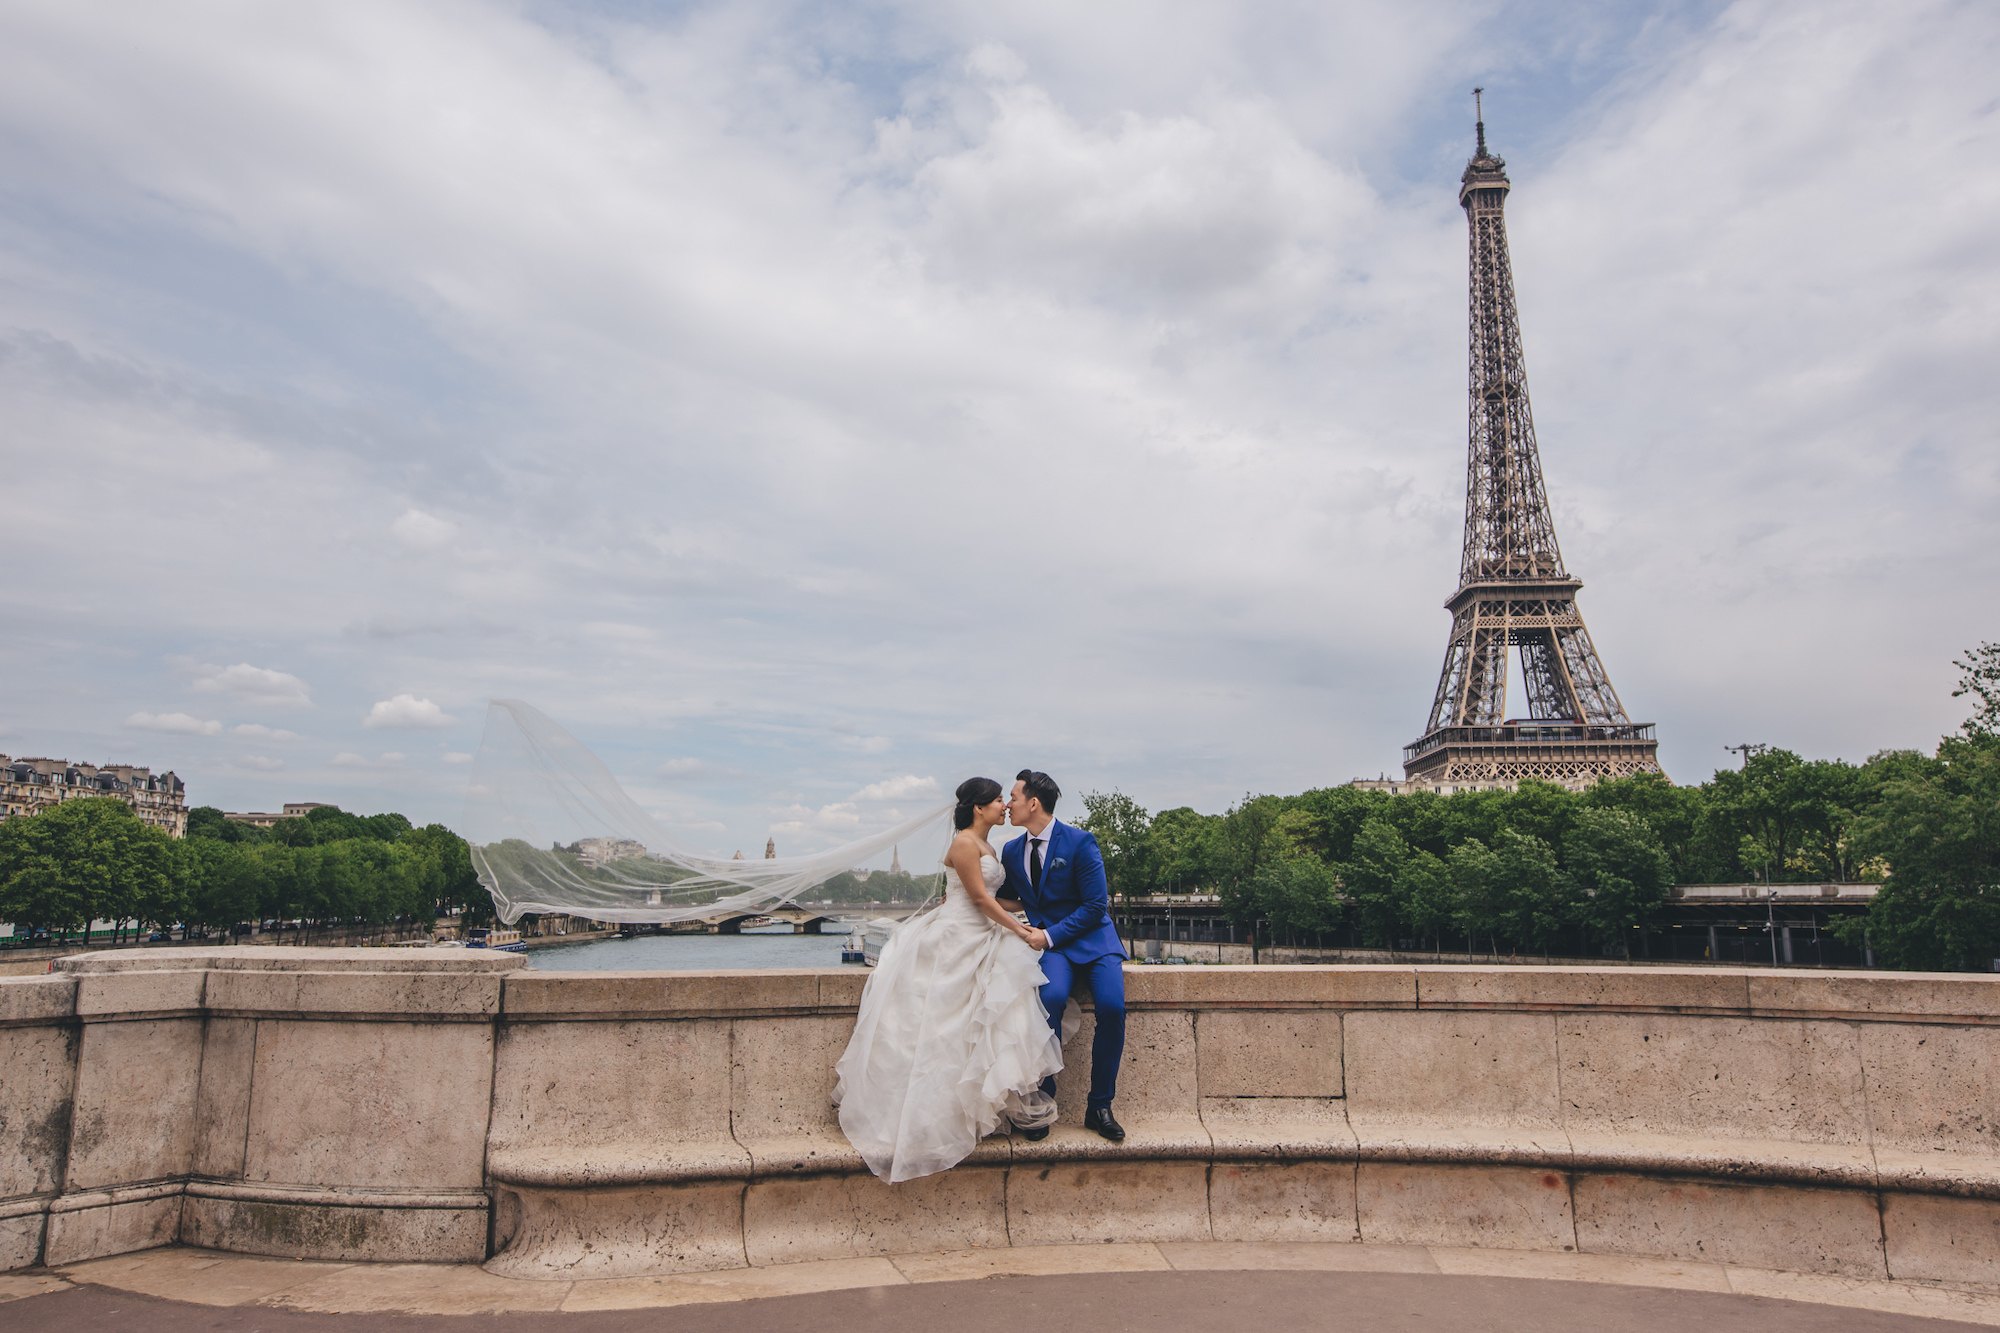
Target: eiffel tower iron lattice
1513, 589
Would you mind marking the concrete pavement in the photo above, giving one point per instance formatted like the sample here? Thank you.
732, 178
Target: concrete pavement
1196, 1287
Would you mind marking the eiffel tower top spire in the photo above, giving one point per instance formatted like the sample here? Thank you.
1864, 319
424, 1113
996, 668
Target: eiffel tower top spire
1508, 531
1513, 590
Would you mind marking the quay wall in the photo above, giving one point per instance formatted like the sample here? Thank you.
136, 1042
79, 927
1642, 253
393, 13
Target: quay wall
375, 1104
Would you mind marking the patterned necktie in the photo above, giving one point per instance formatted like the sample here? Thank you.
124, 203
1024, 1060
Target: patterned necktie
1035, 863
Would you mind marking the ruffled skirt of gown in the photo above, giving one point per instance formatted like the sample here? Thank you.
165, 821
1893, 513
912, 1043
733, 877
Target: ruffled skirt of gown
951, 1042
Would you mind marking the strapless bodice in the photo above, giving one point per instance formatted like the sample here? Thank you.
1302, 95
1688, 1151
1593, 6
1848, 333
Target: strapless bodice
991, 872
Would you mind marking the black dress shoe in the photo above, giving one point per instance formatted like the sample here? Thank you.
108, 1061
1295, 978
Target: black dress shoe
1035, 1135
1100, 1119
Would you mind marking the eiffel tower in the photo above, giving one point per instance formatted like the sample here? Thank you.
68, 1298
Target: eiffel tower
1513, 590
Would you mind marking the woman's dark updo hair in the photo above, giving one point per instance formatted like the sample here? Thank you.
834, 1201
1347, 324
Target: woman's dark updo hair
972, 793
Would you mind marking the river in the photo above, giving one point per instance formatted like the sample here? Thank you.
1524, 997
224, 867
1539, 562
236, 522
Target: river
655, 953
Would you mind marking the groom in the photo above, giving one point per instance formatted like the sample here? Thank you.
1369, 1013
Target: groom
1056, 874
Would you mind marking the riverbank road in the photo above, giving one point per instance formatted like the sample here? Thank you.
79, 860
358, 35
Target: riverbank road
1187, 1288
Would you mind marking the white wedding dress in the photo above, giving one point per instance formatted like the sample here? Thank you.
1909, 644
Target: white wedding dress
951, 1042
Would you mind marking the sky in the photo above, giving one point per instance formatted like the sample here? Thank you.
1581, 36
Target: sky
811, 405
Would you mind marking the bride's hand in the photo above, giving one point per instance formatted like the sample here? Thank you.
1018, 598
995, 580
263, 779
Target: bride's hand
1037, 938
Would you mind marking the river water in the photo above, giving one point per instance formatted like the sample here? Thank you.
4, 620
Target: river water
651, 953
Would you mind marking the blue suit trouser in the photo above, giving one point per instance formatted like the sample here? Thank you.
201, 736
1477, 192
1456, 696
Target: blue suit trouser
1105, 977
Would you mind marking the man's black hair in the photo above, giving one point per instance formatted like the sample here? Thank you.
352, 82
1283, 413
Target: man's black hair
1040, 786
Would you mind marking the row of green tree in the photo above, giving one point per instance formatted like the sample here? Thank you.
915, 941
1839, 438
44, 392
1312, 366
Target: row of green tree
1544, 869
94, 860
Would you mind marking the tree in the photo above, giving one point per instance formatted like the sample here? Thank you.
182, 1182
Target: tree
1939, 832
1620, 869
1778, 818
1297, 894
1980, 677
222, 881
1513, 890
1248, 837
1371, 880
458, 884
82, 860
1184, 846
1122, 829
1325, 822
1424, 885
1668, 810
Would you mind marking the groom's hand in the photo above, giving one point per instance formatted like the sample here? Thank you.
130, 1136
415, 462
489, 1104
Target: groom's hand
1037, 938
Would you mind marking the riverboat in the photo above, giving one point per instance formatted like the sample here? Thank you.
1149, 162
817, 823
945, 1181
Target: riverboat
506, 941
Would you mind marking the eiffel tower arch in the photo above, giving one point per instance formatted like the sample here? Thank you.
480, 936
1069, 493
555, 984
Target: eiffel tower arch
1514, 591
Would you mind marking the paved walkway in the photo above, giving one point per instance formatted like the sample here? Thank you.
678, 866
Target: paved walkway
1195, 1288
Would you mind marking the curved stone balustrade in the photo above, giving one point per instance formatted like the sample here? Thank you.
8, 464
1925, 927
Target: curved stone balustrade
381, 1104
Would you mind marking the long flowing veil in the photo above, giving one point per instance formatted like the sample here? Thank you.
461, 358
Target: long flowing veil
552, 831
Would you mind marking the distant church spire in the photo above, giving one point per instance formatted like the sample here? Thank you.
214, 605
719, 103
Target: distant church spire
770, 849
738, 856
896, 860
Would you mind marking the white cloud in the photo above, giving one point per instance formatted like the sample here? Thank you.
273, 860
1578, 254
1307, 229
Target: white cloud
262, 763
387, 759
178, 723
406, 712
457, 757
424, 532
904, 788
256, 685
259, 731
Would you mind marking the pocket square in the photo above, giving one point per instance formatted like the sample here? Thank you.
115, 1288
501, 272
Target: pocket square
1059, 863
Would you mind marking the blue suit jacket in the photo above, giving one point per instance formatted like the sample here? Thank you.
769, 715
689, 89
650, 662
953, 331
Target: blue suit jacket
1073, 906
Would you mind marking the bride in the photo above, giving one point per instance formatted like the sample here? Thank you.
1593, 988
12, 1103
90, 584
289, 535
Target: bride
952, 1039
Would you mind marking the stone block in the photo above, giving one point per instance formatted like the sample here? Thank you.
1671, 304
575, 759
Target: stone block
121, 994
781, 1094
840, 991
781, 1075
1717, 1156
1933, 1239
1498, 1207
1083, 1203
1268, 1052
629, 1231
1464, 1083
1934, 1091
1346, 986
1786, 1080
133, 1117
1282, 1201
21, 1240
1758, 1226
274, 958
37, 999
1964, 997
222, 1101
344, 993
336, 1231
1694, 990
1288, 1128
1156, 1096
605, 996
841, 1217
385, 1105
111, 1228
600, 1094
1156, 1079
37, 1078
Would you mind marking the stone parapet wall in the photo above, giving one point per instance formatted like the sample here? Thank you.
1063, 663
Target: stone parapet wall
385, 1104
